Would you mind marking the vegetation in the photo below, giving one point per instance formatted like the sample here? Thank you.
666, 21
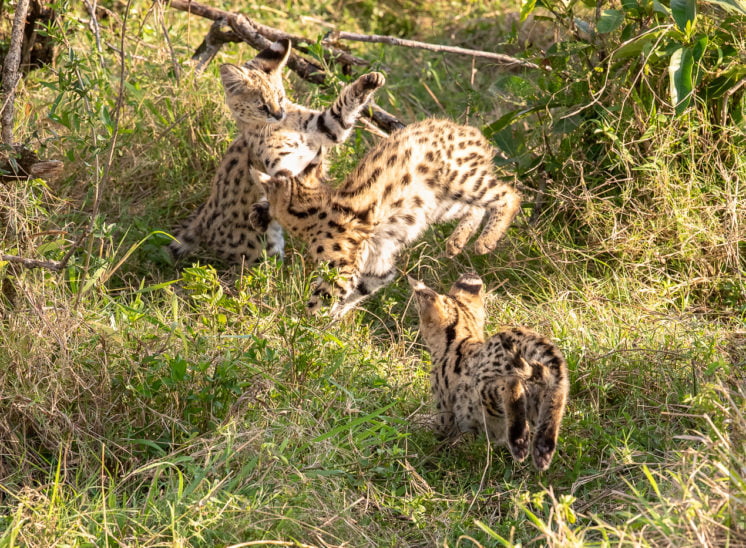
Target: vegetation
148, 404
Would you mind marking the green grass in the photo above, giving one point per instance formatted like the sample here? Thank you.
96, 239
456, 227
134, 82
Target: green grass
147, 404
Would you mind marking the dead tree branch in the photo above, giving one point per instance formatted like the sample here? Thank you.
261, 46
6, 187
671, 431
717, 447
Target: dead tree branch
392, 41
10, 72
270, 33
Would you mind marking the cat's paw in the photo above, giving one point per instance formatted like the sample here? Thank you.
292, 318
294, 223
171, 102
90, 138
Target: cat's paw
454, 247
543, 452
519, 448
370, 82
519, 442
481, 248
259, 216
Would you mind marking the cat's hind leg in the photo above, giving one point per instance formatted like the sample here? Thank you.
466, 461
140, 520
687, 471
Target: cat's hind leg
548, 424
467, 226
503, 204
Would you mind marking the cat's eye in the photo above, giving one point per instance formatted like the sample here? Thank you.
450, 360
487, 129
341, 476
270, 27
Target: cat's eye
264, 109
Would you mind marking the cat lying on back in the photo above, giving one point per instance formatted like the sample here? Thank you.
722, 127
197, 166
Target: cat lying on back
276, 137
428, 172
513, 386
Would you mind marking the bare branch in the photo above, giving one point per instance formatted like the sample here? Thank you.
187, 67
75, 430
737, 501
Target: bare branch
54, 266
247, 30
270, 33
212, 43
10, 72
392, 41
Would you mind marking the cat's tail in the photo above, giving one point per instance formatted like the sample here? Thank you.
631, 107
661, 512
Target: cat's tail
187, 236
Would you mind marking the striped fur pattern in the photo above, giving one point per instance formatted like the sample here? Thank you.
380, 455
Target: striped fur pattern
513, 386
277, 137
428, 172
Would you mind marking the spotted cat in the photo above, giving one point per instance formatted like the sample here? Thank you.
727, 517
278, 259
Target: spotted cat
276, 137
514, 379
428, 172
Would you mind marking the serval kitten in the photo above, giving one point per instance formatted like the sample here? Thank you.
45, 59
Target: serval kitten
428, 172
277, 137
514, 379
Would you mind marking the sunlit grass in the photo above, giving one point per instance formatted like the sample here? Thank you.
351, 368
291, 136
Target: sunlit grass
148, 404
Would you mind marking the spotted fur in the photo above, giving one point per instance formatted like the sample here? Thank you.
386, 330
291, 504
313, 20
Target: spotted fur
428, 172
513, 386
276, 137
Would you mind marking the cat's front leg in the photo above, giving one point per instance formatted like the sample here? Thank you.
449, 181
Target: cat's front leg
334, 124
366, 285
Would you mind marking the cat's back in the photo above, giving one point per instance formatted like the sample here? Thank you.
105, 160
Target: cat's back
516, 350
424, 152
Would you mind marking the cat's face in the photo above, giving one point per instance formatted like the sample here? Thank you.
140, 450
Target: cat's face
299, 194
254, 91
444, 318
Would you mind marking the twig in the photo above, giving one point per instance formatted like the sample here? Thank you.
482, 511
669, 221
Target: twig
93, 25
174, 62
55, 266
392, 41
101, 185
10, 71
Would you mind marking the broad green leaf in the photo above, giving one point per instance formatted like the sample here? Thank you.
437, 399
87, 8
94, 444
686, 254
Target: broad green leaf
660, 8
609, 21
680, 74
527, 6
735, 6
635, 46
683, 12
699, 47
630, 5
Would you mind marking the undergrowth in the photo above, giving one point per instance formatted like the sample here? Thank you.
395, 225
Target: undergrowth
144, 403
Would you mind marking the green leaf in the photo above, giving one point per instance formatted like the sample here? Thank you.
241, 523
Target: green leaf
609, 21
683, 12
505, 120
660, 8
636, 45
527, 6
680, 74
735, 6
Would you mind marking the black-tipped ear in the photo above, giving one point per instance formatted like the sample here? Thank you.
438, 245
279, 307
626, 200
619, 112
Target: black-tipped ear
272, 58
233, 77
469, 283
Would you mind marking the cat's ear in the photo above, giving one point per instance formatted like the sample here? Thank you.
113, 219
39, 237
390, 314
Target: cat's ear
416, 285
469, 291
233, 77
429, 303
273, 58
469, 284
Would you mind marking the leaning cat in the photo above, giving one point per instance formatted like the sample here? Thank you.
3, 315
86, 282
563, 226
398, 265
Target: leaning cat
276, 137
428, 172
514, 379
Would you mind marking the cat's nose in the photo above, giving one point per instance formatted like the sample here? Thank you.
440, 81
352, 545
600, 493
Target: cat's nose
279, 115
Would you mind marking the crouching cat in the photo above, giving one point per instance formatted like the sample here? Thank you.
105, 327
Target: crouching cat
276, 137
428, 172
513, 386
